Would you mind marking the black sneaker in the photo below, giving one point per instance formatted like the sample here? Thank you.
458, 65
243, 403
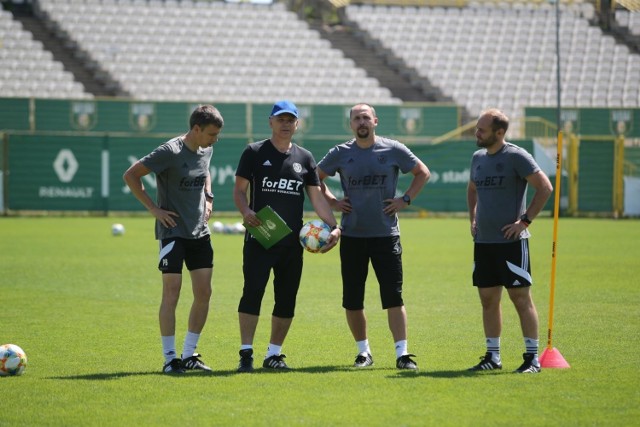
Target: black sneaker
405, 362
246, 360
363, 360
486, 364
275, 362
194, 363
528, 367
174, 366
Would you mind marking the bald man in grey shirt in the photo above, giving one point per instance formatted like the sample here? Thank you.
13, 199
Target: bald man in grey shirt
369, 167
496, 196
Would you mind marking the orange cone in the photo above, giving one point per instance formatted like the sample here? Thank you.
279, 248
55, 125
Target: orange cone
551, 358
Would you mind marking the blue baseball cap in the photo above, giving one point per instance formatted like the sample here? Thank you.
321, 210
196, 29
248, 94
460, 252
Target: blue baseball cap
284, 107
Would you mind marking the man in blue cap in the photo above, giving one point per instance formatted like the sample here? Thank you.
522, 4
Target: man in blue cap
275, 172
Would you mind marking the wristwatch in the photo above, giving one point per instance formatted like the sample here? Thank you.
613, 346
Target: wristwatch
524, 218
208, 195
406, 199
338, 226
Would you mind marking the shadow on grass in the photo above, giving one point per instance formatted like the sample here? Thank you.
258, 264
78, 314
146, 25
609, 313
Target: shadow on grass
119, 375
204, 374
445, 374
262, 371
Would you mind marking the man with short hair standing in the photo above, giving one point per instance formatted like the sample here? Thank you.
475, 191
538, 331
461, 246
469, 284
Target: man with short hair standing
500, 220
369, 167
184, 205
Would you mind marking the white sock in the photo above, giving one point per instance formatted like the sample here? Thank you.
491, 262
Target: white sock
273, 350
401, 348
531, 346
493, 347
190, 344
246, 347
169, 348
363, 346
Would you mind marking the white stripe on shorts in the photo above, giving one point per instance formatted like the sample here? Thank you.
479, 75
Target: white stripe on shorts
524, 261
166, 249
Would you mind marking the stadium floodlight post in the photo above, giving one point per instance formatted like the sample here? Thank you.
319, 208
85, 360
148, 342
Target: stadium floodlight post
551, 357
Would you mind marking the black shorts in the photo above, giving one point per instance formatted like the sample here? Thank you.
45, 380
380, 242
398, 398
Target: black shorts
385, 254
257, 263
502, 264
194, 253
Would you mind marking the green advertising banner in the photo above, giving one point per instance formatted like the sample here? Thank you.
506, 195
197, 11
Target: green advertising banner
71, 173
55, 173
593, 121
123, 152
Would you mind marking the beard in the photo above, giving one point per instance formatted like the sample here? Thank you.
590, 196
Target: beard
363, 132
484, 143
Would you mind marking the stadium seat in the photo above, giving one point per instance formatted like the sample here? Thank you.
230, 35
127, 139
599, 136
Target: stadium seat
500, 46
248, 45
29, 70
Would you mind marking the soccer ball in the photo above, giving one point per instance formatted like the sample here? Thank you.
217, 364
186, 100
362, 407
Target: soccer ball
13, 360
117, 229
217, 227
314, 235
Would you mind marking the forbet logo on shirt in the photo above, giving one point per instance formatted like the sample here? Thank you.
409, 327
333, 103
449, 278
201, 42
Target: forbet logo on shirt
281, 185
197, 182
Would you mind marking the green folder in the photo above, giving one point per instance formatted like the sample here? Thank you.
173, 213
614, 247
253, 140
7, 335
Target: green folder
272, 229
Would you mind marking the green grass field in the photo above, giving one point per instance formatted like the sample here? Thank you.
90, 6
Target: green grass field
83, 305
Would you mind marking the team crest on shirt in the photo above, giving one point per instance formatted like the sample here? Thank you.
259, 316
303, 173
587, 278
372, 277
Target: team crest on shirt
297, 167
499, 167
142, 116
84, 115
382, 159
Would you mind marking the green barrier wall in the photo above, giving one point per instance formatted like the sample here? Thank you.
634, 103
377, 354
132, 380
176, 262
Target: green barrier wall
70, 154
419, 121
595, 166
84, 173
593, 121
54, 173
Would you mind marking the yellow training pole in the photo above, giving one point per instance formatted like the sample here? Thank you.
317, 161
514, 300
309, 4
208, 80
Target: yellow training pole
551, 358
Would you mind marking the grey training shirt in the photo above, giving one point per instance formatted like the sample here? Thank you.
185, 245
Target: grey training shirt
501, 189
180, 176
368, 176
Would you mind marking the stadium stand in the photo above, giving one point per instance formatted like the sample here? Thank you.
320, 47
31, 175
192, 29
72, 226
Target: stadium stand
504, 55
227, 52
483, 54
627, 19
29, 70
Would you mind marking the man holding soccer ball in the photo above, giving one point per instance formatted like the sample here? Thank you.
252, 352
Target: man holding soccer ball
275, 172
185, 202
369, 167
500, 220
